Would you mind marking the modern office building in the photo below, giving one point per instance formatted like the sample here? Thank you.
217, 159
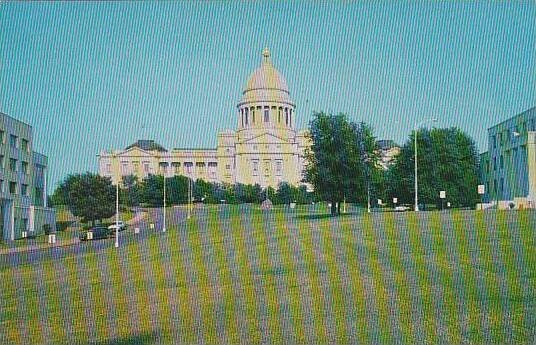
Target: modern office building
23, 197
265, 149
508, 168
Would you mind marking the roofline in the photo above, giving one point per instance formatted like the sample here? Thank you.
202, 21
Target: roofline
14, 118
512, 117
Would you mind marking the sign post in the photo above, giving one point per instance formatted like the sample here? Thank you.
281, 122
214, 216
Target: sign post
481, 192
442, 196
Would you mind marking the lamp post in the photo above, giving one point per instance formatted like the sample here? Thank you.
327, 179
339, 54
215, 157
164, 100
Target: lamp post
116, 244
416, 178
165, 169
189, 197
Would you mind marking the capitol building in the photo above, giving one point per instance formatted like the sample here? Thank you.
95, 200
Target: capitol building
265, 148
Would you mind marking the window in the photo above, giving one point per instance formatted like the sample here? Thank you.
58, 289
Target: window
279, 116
228, 166
13, 187
124, 168
247, 115
266, 114
494, 163
189, 167
278, 167
176, 167
136, 166
146, 167
2, 137
24, 167
1, 186
200, 167
266, 167
1, 161
13, 164
13, 140
24, 189
108, 168
290, 117
242, 117
212, 168
24, 145
286, 116
255, 167
253, 115
163, 167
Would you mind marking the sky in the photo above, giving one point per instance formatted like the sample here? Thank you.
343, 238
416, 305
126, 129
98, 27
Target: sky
94, 76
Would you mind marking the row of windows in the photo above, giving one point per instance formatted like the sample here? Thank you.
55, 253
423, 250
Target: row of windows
267, 167
13, 163
13, 188
512, 156
15, 141
282, 114
176, 166
506, 136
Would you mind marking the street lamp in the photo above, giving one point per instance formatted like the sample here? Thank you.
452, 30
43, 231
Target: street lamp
164, 166
415, 137
118, 176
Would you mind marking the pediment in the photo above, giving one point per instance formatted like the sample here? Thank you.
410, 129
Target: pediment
265, 138
135, 152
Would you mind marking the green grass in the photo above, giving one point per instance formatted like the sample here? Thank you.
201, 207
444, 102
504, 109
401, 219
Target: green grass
488, 247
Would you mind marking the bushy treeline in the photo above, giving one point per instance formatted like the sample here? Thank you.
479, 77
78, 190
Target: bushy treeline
149, 191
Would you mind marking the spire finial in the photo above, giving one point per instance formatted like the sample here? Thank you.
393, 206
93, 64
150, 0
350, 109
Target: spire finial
266, 55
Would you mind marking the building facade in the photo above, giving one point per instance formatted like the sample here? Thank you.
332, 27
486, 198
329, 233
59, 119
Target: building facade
508, 168
265, 149
23, 201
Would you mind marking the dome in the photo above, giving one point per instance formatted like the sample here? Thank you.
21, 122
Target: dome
266, 83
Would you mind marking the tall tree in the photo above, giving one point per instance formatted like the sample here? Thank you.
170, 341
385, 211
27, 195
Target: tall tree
341, 158
447, 160
89, 196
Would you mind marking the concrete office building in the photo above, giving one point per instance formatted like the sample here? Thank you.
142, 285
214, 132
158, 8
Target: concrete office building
23, 197
508, 168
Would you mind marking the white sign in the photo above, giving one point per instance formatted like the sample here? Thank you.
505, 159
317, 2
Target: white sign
52, 238
380, 201
448, 204
481, 189
442, 194
89, 235
292, 205
24, 234
395, 200
151, 226
136, 230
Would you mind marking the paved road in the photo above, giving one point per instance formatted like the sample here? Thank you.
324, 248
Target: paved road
37, 254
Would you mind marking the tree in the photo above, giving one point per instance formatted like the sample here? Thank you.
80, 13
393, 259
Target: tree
153, 190
131, 190
447, 160
89, 196
341, 158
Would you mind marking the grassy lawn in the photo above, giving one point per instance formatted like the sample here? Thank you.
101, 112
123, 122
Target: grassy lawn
236, 274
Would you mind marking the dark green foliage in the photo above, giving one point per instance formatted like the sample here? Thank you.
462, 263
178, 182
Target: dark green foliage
342, 158
89, 196
447, 160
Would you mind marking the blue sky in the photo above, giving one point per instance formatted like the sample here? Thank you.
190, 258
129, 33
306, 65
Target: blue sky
94, 76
